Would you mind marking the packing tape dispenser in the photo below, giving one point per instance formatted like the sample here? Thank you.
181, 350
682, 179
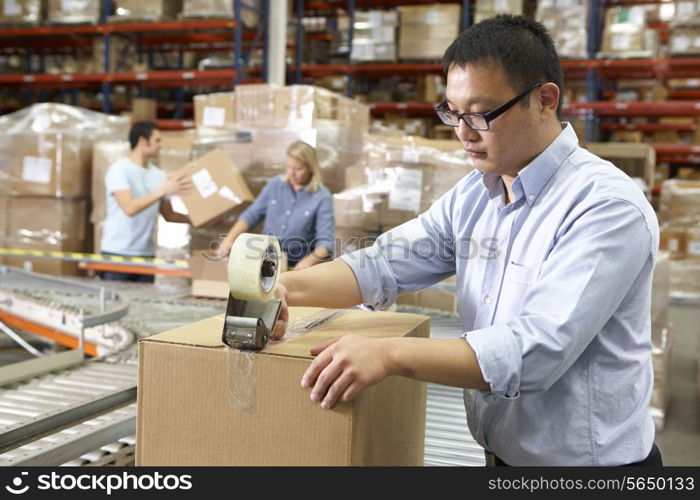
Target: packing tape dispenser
252, 309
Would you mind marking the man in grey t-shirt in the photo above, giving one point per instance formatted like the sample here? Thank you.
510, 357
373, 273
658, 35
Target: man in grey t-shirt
136, 192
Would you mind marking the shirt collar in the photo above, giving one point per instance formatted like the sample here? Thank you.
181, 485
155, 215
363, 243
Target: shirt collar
532, 179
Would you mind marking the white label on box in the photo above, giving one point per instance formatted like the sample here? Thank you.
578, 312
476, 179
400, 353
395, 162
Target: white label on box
11, 8
406, 193
620, 41
680, 43
226, 192
204, 183
685, 8
214, 116
431, 16
37, 169
411, 155
694, 248
500, 5
673, 245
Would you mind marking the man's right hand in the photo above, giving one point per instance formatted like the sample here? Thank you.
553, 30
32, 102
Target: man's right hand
176, 185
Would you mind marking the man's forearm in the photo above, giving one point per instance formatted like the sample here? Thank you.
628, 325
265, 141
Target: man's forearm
138, 205
330, 284
441, 361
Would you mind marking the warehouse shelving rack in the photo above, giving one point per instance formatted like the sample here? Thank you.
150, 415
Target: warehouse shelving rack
150, 38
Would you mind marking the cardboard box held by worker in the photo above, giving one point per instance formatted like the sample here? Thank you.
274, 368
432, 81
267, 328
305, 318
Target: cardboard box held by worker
218, 188
202, 403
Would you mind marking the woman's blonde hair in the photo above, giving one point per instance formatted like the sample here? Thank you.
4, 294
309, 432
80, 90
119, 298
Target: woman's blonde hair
306, 154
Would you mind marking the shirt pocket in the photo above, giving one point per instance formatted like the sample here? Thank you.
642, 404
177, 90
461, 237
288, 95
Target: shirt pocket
520, 274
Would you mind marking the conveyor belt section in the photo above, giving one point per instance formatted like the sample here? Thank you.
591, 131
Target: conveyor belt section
31, 409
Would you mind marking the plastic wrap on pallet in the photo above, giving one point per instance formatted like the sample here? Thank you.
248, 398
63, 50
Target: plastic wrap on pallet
20, 12
73, 11
35, 223
46, 149
104, 154
686, 13
397, 180
296, 106
567, 22
151, 10
426, 31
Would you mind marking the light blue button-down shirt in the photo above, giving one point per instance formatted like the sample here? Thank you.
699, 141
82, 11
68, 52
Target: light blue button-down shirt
301, 220
554, 293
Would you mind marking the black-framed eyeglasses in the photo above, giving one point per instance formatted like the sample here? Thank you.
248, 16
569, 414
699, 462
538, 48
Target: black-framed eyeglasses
478, 121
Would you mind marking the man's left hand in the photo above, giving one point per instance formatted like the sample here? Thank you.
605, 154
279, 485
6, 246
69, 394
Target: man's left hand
343, 368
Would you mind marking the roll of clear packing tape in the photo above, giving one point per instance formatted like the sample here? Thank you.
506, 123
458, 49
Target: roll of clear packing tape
253, 267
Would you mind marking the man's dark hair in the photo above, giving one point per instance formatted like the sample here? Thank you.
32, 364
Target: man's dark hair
141, 129
519, 44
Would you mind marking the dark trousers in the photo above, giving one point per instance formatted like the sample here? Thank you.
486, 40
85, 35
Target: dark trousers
132, 277
653, 460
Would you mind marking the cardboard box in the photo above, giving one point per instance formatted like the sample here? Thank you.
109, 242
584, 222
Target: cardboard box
175, 149
73, 11
143, 108
4, 216
215, 111
636, 160
674, 241
221, 8
485, 9
186, 415
20, 11
218, 188
47, 220
152, 10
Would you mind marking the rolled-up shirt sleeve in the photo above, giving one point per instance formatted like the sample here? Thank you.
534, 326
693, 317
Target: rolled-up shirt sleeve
325, 224
597, 259
258, 209
410, 257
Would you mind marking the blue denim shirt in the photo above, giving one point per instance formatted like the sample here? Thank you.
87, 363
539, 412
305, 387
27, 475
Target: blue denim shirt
301, 220
554, 293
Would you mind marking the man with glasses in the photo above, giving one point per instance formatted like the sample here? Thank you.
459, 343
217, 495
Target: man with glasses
554, 350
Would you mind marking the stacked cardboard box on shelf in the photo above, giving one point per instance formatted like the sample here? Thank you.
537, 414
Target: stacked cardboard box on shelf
45, 165
626, 33
374, 35
485, 9
567, 23
425, 31
73, 11
196, 9
138, 10
20, 12
215, 111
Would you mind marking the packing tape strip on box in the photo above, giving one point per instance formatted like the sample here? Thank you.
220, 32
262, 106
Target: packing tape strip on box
95, 257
